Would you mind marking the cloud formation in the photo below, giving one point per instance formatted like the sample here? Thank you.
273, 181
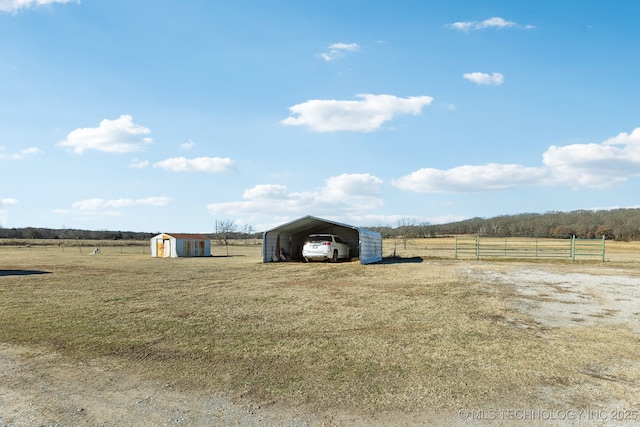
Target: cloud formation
97, 207
346, 194
16, 5
187, 145
365, 115
592, 165
596, 165
489, 177
99, 204
494, 79
20, 154
199, 164
495, 22
338, 50
138, 164
111, 136
8, 202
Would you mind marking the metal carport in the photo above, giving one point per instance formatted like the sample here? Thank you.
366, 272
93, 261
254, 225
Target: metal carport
285, 241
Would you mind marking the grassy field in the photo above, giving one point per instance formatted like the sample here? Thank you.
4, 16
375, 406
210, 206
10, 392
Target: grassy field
411, 334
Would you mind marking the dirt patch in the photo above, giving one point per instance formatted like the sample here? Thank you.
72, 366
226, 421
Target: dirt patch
565, 299
40, 388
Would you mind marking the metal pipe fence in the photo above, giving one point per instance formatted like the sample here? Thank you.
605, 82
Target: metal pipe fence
534, 247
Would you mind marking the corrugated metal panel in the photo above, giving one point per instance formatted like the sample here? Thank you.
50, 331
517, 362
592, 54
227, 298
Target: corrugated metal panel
291, 237
180, 245
370, 246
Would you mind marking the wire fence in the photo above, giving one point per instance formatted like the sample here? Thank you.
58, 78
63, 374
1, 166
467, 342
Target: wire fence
511, 247
112, 247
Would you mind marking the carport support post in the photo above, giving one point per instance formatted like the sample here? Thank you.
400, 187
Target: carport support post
603, 240
478, 246
573, 248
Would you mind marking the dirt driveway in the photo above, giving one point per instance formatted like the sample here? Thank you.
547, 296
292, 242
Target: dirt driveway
559, 298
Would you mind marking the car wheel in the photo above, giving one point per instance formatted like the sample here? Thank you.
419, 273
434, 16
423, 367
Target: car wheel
335, 256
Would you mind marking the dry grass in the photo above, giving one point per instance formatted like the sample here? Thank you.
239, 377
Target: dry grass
410, 336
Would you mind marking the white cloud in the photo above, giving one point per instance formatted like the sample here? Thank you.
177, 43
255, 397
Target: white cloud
266, 192
187, 145
20, 154
15, 5
88, 204
112, 136
462, 26
199, 164
138, 164
352, 47
364, 115
8, 202
154, 201
495, 22
352, 186
592, 165
343, 195
596, 165
337, 50
97, 204
467, 178
495, 79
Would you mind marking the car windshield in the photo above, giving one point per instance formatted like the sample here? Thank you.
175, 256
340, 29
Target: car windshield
319, 238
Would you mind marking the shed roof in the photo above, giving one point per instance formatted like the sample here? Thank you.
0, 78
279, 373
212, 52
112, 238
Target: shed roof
187, 236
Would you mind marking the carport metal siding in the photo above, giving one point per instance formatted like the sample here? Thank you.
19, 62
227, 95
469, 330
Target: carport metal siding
293, 235
370, 246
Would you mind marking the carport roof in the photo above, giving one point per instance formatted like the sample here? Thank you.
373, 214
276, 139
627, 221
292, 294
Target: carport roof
309, 222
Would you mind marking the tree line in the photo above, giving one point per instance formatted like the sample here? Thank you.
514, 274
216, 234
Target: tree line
223, 231
614, 224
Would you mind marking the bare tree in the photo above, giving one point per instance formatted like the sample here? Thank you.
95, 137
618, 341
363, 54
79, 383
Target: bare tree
223, 229
248, 231
406, 228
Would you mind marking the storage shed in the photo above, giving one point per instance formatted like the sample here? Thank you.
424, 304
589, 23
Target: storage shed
180, 245
285, 242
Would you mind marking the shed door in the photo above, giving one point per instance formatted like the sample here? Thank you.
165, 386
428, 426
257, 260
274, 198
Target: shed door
163, 248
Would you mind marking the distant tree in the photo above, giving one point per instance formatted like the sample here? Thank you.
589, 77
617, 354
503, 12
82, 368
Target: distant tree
224, 229
406, 230
248, 232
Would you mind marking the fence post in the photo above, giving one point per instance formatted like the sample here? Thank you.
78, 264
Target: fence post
455, 248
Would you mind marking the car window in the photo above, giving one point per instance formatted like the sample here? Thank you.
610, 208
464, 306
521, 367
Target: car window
319, 238
339, 240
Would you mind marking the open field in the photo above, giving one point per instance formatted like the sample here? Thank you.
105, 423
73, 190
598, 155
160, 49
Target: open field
422, 339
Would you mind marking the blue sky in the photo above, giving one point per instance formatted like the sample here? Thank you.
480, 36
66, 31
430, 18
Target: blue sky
166, 116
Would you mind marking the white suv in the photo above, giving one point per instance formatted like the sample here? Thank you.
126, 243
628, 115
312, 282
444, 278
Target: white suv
325, 246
